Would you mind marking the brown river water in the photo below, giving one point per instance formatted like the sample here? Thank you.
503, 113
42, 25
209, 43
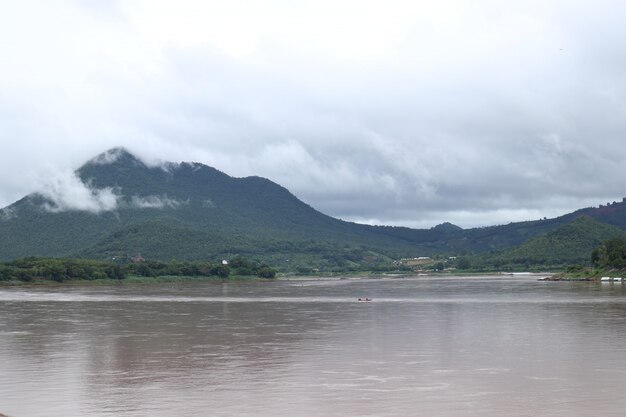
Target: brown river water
424, 346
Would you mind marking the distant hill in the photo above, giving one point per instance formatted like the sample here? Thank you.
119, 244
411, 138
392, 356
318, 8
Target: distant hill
612, 213
184, 211
569, 244
190, 211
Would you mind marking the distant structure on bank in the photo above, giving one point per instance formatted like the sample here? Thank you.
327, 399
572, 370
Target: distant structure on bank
137, 259
421, 260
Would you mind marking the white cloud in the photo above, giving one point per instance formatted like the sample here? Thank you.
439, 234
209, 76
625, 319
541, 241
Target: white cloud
399, 111
108, 157
7, 213
65, 191
154, 201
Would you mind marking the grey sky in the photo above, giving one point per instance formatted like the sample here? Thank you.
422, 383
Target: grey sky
394, 112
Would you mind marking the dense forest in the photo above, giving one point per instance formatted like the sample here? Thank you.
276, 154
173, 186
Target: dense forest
570, 244
60, 269
611, 254
606, 260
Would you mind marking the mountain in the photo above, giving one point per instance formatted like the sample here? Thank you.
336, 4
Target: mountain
184, 211
190, 211
612, 213
569, 244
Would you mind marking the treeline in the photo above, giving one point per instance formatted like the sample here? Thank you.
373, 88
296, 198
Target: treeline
611, 254
60, 269
238, 266
565, 246
312, 257
608, 259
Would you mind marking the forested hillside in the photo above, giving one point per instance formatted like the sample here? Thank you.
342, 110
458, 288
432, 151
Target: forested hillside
190, 211
567, 245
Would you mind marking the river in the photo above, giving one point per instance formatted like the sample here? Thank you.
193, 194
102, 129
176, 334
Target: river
427, 346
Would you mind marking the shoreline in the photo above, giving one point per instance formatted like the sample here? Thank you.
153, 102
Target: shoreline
139, 280
376, 276
132, 280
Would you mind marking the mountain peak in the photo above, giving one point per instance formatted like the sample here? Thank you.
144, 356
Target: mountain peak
115, 168
115, 155
447, 227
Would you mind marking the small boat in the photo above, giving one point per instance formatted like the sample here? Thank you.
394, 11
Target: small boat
365, 299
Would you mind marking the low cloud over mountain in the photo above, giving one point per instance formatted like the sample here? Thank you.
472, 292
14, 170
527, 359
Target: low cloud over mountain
384, 112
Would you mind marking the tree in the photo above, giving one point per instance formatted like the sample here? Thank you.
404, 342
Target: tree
266, 272
463, 263
611, 254
115, 272
55, 271
221, 271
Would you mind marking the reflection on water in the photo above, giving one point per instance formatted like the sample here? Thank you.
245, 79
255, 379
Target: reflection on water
424, 346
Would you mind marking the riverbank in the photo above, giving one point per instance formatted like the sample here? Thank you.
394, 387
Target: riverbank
559, 277
443, 274
588, 274
170, 279
131, 280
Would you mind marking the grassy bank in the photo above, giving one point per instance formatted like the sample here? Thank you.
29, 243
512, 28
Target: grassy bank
591, 274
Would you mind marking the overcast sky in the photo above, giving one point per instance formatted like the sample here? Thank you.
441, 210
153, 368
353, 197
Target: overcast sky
389, 112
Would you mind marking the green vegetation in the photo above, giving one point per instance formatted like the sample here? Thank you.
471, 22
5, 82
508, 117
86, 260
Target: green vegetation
192, 212
610, 255
608, 259
189, 212
61, 270
463, 263
569, 244
170, 239
244, 267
